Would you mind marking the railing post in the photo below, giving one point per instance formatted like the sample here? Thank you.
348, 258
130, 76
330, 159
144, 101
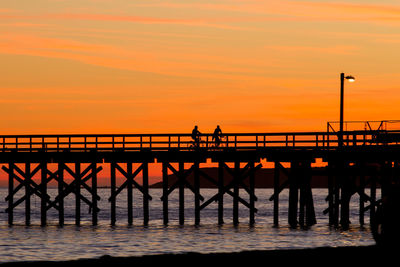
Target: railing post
365, 138
327, 140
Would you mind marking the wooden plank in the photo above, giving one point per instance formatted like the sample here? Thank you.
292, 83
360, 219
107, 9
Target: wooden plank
146, 195
113, 197
293, 195
330, 198
43, 186
220, 193
276, 192
60, 187
34, 188
236, 194
252, 195
94, 194
181, 177
362, 196
24, 181
197, 194
27, 194
77, 192
129, 192
165, 192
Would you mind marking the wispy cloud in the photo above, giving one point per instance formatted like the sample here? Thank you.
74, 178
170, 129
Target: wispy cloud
292, 10
174, 63
333, 11
7, 10
194, 22
335, 50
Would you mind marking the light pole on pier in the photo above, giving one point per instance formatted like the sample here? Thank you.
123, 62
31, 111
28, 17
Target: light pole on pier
342, 78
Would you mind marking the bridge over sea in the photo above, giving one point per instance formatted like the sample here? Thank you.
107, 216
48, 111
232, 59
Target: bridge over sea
357, 160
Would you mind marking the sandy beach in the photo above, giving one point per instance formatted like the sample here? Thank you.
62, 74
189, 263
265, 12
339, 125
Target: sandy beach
342, 256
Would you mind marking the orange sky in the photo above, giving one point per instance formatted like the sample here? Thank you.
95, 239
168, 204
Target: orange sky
102, 66
120, 66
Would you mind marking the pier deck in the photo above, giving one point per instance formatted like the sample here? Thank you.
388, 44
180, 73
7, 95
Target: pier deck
366, 158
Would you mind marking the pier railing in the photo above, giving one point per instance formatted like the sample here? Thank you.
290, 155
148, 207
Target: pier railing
184, 142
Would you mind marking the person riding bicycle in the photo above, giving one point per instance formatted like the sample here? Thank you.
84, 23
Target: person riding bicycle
217, 136
196, 136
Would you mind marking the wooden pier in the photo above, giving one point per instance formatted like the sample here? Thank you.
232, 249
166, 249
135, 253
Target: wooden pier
367, 159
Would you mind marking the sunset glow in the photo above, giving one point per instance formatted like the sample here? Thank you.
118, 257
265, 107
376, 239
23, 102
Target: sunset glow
99, 66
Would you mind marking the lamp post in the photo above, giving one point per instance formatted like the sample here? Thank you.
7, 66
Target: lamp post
342, 78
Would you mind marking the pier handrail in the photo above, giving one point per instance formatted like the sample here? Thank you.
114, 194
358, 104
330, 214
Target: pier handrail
184, 142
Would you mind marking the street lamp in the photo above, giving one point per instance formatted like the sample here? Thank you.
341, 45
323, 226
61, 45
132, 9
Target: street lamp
342, 78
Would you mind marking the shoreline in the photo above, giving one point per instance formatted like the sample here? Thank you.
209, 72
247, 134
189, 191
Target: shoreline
366, 255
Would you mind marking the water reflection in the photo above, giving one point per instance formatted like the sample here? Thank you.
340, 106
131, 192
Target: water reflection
20, 242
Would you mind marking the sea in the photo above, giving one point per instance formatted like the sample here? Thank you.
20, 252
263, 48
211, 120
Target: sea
70, 242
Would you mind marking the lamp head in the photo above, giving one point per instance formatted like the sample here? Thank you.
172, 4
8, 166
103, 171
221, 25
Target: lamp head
350, 78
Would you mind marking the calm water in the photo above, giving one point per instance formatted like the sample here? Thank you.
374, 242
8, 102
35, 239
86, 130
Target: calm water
22, 243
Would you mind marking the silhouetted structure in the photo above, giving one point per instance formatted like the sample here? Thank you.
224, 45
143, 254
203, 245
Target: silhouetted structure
196, 136
217, 136
362, 162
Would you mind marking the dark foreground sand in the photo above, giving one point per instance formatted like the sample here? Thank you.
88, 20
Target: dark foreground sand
340, 256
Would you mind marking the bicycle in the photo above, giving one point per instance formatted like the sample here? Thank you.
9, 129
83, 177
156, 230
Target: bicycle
196, 144
221, 144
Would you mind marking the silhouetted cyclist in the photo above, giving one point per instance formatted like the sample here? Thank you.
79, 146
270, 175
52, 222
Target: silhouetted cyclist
217, 136
196, 136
